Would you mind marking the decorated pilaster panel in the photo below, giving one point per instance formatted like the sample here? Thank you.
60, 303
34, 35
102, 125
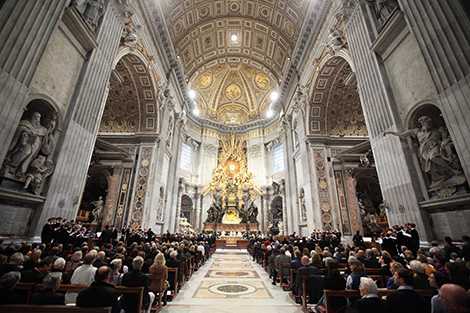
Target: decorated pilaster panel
112, 197
141, 186
323, 189
123, 194
351, 198
343, 204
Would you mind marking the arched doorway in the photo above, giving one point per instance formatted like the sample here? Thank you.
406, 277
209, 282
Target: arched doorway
187, 208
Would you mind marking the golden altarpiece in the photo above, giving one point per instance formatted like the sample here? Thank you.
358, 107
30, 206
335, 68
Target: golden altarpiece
233, 207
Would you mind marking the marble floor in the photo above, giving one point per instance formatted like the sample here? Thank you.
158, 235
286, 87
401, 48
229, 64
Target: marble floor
231, 282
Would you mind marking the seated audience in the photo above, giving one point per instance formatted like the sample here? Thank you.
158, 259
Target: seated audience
332, 281
135, 278
384, 269
49, 296
455, 298
370, 301
37, 274
174, 263
436, 280
305, 270
116, 275
354, 280
100, 293
420, 279
391, 281
159, 267
14, 264
405, 299
58, 267
7, 283
83, 275
371, 260
75, 261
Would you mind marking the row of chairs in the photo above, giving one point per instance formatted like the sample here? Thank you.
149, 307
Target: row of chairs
287, 276
188, 268
29, 288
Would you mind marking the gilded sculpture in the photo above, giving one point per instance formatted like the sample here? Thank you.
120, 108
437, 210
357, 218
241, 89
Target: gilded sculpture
230, 184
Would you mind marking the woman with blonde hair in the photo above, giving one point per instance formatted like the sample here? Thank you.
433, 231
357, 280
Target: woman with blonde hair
33, 261
75, 261
116, 276
159, 267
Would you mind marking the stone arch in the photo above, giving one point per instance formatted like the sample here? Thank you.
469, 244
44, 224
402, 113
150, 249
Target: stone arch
335, 107
96, 186
131, 106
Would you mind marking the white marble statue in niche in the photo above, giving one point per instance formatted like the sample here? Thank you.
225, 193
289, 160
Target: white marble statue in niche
444, 170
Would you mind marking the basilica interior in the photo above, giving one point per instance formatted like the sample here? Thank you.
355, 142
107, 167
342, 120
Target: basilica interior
257, 116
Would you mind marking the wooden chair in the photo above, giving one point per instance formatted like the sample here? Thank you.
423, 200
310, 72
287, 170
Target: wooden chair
24, 288
284, 272
355, 293
173, 280
120, 289
157, 280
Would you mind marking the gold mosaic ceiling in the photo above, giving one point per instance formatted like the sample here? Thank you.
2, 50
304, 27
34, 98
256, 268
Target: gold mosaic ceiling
234, 78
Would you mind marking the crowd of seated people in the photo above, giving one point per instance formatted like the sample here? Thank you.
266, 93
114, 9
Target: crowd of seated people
103, 266
401, 265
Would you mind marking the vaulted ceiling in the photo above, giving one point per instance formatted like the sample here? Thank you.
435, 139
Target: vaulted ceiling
234, 53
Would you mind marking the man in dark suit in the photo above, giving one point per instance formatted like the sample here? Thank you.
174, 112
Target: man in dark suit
100, 293
405, 299
370, 301
305, 270
46, 233
49, 296
173, 262
136, 278
106, 235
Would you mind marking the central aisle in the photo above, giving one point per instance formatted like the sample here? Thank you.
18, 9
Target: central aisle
231, 282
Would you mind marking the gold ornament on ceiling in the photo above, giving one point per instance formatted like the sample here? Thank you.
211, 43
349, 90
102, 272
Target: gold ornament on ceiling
262, 81
233, 92
204, 80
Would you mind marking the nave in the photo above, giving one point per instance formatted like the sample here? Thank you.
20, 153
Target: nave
231, 281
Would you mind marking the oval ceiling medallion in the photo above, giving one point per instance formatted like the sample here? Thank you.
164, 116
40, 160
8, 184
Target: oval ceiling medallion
233, 92
262, 81
204, 80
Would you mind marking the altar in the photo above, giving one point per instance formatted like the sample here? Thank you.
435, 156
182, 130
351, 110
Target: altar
231, 239
242, 227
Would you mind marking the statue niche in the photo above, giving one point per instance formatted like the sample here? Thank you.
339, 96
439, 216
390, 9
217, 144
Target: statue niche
29, 158
436, 154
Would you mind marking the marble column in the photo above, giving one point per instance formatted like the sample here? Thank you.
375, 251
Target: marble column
82, 121
27, 27
441, 30
394, 163
112, 197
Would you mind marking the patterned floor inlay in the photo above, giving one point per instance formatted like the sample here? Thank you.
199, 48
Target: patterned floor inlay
245, 290
228, 273
231, 264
